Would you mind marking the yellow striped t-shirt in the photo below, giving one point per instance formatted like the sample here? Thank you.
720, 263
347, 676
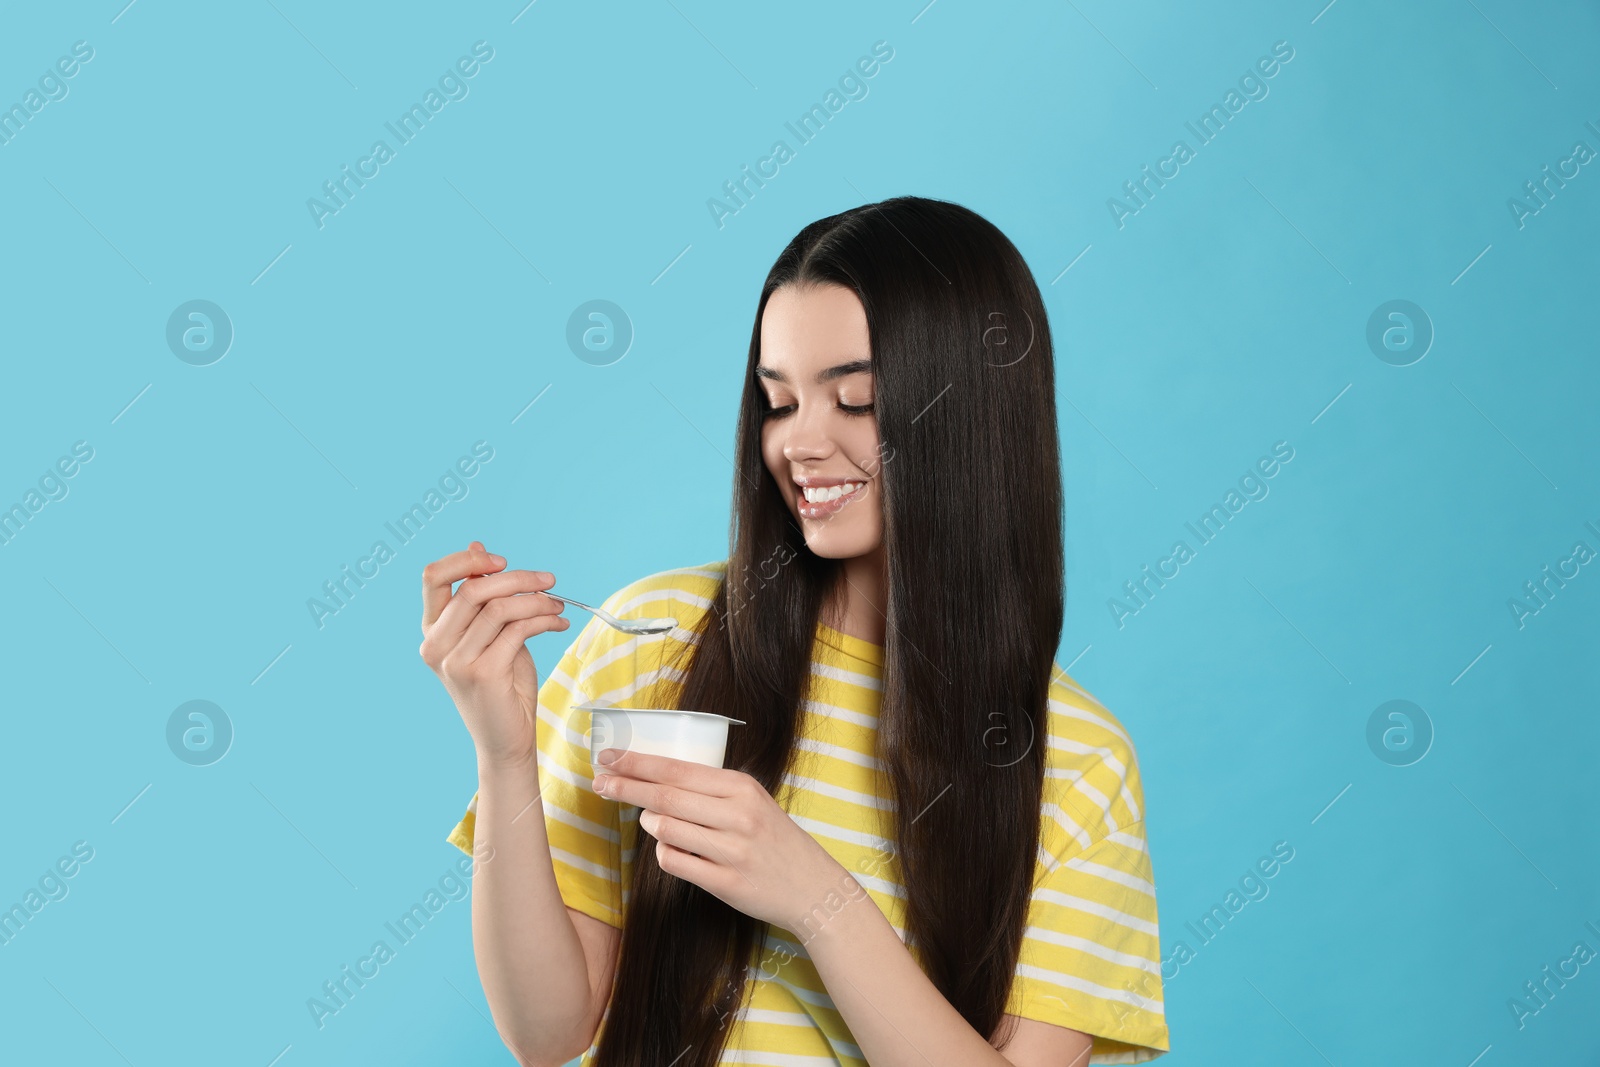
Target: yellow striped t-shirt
1091, 956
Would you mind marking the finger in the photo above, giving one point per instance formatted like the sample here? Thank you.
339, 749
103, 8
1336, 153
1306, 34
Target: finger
515, 633
691, 837
677, 801
698, 777
476, 593
444, 572
689, 867
491, 613
474, 597
700, 841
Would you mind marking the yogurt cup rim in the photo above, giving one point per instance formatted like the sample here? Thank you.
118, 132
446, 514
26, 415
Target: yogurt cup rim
657, 711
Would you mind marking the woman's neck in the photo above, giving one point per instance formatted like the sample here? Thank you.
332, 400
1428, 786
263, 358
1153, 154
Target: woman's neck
863, 592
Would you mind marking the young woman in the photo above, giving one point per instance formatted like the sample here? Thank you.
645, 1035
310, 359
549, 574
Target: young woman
926, 846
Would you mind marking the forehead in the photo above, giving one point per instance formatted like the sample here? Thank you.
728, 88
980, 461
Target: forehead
806, 329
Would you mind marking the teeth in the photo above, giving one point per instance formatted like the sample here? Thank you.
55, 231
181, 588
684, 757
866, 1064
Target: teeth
832, 492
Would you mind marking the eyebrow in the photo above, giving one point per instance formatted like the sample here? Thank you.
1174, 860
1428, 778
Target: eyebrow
855, 366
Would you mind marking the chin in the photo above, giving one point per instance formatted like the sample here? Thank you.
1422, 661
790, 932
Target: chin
832, 542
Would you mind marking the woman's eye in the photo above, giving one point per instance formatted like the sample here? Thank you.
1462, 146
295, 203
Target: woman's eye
770, 412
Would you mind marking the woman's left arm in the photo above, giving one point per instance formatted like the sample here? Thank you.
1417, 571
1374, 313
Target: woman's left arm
899, 1017
721, 830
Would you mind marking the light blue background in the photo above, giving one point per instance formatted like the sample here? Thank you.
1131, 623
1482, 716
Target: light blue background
370, 354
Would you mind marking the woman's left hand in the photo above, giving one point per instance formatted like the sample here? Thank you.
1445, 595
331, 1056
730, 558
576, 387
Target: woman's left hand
719, 829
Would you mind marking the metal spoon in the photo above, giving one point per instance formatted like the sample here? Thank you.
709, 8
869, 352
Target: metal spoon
627, 626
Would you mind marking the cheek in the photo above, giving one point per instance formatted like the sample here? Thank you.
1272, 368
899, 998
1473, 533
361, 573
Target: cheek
772, 455
772, 451
861, 445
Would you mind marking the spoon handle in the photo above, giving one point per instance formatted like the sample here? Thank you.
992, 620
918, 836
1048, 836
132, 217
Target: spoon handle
567, 600
637, 627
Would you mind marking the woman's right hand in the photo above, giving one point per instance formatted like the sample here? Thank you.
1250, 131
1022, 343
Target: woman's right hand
473, 640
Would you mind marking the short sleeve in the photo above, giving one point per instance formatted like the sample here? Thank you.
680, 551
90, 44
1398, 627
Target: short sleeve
1091, 954
583, 827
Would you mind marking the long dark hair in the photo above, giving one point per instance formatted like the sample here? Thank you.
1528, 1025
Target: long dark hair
970, 480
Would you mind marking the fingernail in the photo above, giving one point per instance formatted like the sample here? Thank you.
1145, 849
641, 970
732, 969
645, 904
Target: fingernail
608, 756
600, 783
499, 561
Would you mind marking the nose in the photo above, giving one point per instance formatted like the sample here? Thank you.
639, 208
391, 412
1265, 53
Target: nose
807, 436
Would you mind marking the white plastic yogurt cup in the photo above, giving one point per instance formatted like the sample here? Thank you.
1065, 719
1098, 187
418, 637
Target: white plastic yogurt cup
695, 736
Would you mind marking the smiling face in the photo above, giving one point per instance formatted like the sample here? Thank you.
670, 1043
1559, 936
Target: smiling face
819, 432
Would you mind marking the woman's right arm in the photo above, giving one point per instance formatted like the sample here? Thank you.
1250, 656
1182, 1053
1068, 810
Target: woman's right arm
527, 942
